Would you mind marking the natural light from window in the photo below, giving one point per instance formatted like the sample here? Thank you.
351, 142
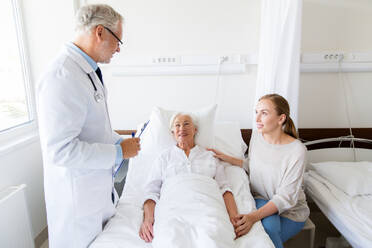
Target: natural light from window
13, 101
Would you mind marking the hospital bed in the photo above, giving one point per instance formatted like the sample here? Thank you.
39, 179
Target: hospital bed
342, 189
122, 230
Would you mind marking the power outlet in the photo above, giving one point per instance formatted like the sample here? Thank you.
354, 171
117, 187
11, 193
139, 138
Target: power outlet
325, 57
165, 60
229, 59
333, 57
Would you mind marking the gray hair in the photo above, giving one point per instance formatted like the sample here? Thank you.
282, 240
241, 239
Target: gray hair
92, 15
174, 116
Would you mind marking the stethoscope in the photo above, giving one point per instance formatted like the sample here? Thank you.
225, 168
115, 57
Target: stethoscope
97, 96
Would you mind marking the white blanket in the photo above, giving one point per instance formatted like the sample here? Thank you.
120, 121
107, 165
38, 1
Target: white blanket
359, 207
122, 230
191, 213
352, 216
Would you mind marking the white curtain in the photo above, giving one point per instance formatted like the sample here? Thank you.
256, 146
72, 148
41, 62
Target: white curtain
279, 51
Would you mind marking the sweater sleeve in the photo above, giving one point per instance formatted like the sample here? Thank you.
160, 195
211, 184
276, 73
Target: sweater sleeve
246, 165
286, 196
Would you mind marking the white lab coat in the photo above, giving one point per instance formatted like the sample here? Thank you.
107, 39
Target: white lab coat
79, 152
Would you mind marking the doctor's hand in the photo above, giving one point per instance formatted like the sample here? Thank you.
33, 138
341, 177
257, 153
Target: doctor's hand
226, 158
130, 147
146, 231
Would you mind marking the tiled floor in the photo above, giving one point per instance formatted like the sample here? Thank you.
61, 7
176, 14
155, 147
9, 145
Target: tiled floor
324, 227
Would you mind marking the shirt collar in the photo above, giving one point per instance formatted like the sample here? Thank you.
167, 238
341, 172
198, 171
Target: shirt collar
91, 62
196, 148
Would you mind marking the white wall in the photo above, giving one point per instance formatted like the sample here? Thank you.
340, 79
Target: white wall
24, 166
336, 25
48, 24
168, 27
191, 27
322, 102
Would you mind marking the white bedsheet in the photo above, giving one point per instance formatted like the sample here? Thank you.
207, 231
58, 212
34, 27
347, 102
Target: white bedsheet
122, 229
352, 216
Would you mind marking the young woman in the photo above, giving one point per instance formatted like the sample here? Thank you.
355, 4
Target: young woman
275, 166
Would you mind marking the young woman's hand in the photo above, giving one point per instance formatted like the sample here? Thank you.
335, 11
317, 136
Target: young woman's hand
226, 158
244, 224
146, 231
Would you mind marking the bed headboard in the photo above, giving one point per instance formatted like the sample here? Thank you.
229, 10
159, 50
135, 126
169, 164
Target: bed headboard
310, 134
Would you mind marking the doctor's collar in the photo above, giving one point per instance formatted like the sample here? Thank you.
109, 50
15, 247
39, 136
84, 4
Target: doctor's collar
91, 62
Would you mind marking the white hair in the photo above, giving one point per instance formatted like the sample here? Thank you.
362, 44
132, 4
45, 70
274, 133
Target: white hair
173, 118
92, 15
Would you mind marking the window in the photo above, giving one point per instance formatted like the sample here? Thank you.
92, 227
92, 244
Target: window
15, 94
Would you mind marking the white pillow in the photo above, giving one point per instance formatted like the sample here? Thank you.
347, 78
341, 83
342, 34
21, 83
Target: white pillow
228, 139
157, 137
354, 178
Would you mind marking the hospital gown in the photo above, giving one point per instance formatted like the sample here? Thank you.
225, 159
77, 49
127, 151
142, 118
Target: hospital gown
174, 162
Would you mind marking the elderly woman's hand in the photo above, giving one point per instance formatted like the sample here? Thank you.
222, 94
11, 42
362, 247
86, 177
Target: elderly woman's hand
234, 220
146, 231
226, 158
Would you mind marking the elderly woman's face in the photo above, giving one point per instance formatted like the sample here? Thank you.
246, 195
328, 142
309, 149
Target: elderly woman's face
183, 128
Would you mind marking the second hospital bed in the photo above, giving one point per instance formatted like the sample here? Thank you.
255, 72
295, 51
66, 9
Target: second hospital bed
343, 191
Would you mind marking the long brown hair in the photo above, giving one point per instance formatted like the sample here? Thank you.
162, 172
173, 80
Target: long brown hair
282, 107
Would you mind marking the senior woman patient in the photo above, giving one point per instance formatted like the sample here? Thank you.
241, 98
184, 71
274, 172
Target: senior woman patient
184, 158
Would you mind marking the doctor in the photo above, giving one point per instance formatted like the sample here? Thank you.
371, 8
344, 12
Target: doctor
80, 150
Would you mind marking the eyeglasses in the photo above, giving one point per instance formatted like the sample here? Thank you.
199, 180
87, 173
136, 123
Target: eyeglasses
120, 42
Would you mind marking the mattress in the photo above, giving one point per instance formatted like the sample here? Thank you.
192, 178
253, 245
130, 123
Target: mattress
352, 216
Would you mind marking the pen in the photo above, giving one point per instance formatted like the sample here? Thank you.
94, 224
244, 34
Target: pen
143, 128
